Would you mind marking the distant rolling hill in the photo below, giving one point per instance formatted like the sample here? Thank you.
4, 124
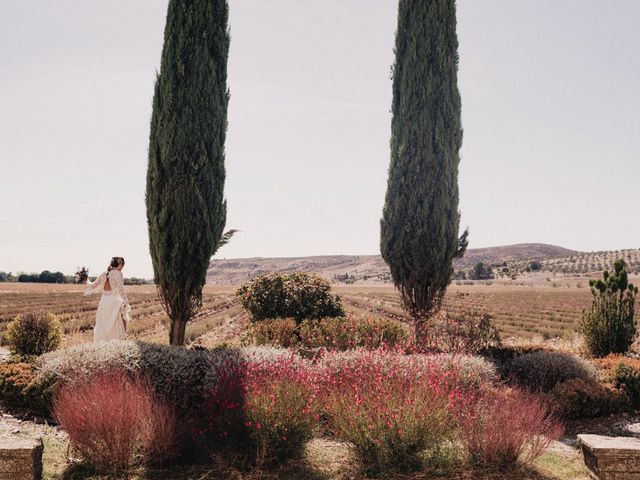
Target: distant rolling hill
367, 268
513, 253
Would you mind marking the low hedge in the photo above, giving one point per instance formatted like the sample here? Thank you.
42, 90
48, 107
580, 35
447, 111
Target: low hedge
277, 332
339, 333
183, 376
23, 388
579, 398
345, 333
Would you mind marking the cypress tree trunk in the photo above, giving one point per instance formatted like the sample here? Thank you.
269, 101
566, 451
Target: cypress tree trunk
186, 210
420, 220
177, 330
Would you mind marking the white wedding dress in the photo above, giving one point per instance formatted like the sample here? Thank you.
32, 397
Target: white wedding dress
113, 309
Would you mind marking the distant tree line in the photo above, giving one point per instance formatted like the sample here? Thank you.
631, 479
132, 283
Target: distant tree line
58, 277
7, 277
45, 277
137, 281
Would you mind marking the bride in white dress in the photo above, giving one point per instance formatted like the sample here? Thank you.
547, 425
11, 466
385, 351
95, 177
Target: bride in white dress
113, 310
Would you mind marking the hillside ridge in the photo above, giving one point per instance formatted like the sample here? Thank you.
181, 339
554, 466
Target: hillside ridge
368, 268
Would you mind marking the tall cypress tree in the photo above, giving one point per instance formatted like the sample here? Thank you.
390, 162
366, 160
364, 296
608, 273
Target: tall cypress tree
186, 210
420, 219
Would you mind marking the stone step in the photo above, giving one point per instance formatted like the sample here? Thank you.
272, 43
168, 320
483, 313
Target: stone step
20, 458
611, 458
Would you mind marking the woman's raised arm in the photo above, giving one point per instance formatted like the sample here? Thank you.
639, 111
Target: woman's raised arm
95, 287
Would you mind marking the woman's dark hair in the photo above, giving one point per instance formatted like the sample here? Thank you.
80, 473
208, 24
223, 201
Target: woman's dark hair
115, 262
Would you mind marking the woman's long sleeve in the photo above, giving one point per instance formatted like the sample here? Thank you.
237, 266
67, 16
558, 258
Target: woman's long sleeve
95, 287
117, 284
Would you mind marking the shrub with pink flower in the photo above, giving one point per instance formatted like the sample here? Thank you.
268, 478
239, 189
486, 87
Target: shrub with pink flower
391, 407
508, 426
467, 371
262, 410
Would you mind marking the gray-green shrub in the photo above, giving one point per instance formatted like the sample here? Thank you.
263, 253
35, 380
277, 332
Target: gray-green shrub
541, 371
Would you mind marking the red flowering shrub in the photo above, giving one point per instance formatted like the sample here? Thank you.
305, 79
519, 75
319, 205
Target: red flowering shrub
262, 411
390, 407
507, 426
280, 409
461, 372
114, 420
160, 431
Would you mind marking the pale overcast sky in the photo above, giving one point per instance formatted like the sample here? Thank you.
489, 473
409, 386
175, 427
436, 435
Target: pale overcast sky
550, 102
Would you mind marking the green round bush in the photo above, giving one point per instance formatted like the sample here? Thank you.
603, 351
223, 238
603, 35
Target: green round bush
34, 334
297, 295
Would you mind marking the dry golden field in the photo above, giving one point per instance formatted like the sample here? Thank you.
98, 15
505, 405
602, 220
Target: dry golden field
518, 311
526, 310
221, 318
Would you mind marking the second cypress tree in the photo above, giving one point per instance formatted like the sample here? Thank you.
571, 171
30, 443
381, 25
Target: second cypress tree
420, 221
186, 210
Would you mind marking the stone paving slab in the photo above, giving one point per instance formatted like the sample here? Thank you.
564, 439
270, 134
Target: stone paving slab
20, 458
611, 458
